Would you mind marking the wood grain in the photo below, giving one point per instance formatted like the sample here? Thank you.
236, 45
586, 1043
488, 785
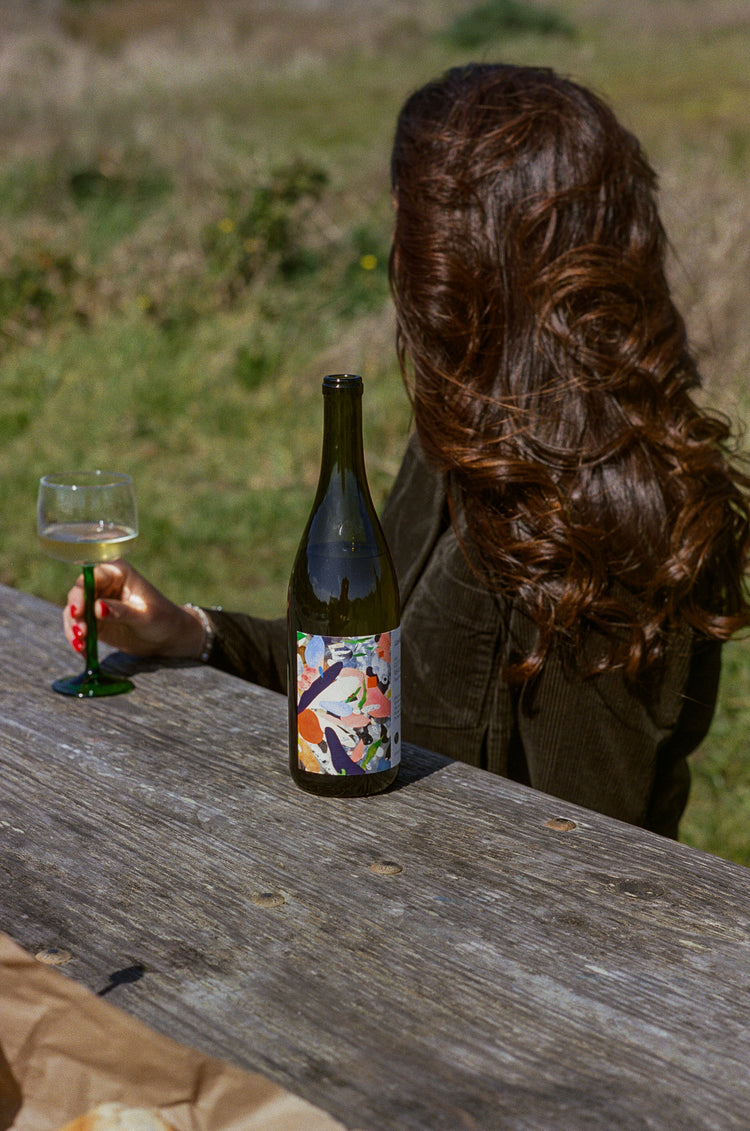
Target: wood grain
511, 972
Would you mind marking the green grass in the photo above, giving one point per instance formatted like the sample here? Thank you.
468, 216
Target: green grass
192, 235
717, 816
490, 21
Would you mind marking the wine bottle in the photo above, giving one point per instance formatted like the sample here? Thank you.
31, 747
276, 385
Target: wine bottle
343, 621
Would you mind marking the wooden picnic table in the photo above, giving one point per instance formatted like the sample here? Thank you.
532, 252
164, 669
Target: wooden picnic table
461, 952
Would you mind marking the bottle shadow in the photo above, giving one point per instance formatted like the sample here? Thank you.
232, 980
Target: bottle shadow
416, 762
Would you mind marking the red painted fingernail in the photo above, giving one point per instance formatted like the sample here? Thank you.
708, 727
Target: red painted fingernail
104, 609
77, 631
74, 610
78, 645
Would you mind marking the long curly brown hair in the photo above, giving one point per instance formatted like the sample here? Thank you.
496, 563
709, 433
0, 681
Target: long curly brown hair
549, 369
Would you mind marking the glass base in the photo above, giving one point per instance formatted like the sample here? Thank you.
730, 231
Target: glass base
93, 685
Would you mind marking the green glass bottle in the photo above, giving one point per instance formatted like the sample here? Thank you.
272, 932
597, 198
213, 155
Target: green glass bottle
343, 618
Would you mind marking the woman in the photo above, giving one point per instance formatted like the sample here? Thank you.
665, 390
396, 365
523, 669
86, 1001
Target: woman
569, 530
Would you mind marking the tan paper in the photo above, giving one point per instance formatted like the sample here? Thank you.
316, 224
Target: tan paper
64, 1051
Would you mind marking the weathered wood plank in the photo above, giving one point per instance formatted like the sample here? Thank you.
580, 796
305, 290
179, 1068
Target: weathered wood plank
511, 974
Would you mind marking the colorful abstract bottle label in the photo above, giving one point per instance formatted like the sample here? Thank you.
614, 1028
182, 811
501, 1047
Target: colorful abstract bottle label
349, 703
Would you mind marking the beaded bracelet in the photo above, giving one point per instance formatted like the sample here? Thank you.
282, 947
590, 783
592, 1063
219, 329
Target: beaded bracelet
209, 632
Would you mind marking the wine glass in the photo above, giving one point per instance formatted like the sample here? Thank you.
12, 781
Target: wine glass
87, 517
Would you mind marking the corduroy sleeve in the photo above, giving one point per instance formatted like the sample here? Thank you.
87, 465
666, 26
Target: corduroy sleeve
250, 647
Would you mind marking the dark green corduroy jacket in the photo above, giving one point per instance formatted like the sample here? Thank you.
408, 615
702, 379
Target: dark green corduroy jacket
590, 740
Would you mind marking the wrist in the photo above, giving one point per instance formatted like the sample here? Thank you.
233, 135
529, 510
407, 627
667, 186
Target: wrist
202, 643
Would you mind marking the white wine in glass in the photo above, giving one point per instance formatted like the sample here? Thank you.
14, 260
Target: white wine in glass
84, 518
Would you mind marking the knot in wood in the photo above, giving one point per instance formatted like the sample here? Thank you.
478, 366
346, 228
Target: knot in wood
385, 868
267, 898
53, 956
560, 824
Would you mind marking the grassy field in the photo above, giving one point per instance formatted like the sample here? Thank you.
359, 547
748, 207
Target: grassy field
194, 225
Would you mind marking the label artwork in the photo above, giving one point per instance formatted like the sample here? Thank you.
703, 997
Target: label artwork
348, 703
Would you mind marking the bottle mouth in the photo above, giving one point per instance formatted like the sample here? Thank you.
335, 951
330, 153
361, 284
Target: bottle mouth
341, 381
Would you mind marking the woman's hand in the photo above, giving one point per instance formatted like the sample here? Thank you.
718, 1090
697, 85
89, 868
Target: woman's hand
132, 616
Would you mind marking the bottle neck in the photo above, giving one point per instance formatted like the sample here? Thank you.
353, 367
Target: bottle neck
342, 429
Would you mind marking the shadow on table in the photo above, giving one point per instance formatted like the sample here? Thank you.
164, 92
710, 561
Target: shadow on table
416, 762
120, 663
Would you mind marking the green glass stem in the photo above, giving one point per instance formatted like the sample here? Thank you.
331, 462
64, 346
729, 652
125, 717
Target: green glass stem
92, 641
93, 682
